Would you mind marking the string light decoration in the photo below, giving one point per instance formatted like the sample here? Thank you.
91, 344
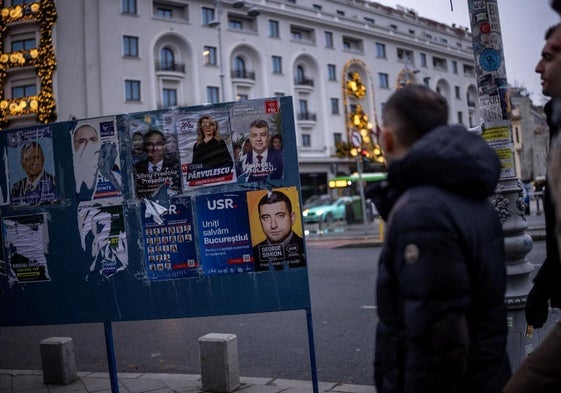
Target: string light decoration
41, 58
358, 120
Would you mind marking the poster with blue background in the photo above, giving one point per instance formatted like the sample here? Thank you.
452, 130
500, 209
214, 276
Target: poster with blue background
223, 232
169, 246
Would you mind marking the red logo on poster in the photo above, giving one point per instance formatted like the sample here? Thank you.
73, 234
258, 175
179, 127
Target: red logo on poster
485, 27
272, 106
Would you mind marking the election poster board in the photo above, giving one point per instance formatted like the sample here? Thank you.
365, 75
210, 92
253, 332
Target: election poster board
185, 212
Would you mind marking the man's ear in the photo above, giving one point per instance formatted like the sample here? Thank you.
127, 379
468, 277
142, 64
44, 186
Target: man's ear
388, 143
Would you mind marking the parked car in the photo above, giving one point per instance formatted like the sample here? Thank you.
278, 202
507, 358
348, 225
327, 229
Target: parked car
328, 213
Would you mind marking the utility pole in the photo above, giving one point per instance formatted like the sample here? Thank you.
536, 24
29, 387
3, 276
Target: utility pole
494, 104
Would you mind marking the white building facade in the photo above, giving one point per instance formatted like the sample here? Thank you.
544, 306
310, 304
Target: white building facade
121, 56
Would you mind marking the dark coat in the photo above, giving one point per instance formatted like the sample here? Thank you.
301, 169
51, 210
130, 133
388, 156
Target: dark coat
272, 169
548, 279
441, 277
148, 184
292, 253
44, 193
211, 154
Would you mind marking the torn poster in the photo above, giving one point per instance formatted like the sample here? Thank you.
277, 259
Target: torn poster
26, 244
102, 233
169, 243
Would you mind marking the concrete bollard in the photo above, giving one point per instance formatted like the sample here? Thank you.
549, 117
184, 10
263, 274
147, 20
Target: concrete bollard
58, 361
220, 371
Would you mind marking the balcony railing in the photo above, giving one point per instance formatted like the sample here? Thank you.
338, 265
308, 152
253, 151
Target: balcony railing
170, 67
306, 116
304, 82
242, 74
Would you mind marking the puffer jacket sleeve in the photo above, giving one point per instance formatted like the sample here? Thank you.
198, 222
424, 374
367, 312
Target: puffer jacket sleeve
430, 271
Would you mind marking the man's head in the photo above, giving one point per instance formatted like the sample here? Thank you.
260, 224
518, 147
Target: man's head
259, 135
84, 136
410, 113
549, 66
32, 160
154, 145
276, 216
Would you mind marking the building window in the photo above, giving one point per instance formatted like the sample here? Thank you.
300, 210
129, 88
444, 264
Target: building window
23, 44
239, 67
306, 140
332, 72
212, 94
235, 24
423, 59
337, 137
328, 39
279, 94
405, 55
380, 50
300, 75
439, 63
130, 46
460, 118
340, 12
132, 90
277, 64
273, 28
22, 2
24, 91
369, 21
242, 97
303, 106
207, 15
169, 97
353, 44
334, 106
165, 13
454, 66
457, 91
383, 80
210, 55
167, 60
317, 7
128, 6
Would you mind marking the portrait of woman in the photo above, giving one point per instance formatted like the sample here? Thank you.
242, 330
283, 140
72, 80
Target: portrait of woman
210, 150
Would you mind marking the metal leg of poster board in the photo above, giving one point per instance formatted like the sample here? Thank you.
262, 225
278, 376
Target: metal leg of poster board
112, 364
315, 383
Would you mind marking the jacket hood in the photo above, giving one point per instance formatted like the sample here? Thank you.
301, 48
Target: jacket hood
452, 158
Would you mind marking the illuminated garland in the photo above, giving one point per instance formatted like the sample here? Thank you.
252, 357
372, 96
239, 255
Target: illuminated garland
42, 58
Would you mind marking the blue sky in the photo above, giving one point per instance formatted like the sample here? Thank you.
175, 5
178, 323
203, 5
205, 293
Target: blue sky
523, 23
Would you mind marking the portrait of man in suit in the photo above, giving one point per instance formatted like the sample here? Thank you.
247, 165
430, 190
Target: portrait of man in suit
262, 162
156, 170
282, 246
38, 187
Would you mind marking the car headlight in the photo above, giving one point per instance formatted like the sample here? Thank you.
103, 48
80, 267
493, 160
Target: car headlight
305, 213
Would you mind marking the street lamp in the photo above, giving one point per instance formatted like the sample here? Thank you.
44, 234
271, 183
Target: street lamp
217, 23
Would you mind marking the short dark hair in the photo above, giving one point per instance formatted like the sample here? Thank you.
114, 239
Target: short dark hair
274, 197
413, 111
153, 131
549, 32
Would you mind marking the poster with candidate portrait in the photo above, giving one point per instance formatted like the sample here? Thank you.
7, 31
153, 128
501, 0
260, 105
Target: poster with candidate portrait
96, 159
169, 240
257, 134
154, 154
276, 229
223, 233
205, 146
31, 167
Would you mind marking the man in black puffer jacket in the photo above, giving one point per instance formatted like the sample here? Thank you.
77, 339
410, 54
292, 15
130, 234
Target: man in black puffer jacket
441, 278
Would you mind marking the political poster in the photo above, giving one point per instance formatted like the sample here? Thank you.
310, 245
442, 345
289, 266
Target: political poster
96, 159
205, 145
31, 167
169, 240
223, 235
